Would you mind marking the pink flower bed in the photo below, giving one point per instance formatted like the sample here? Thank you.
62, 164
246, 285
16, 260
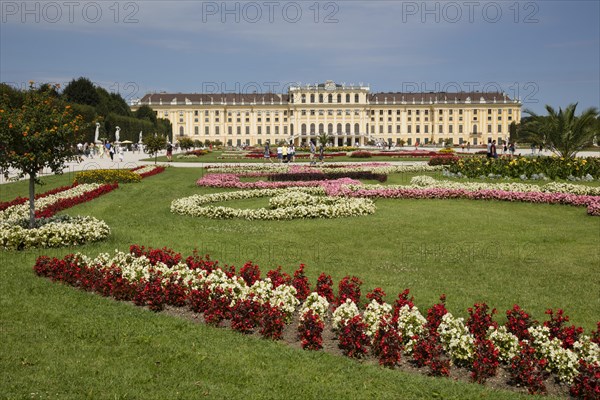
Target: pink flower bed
592, 202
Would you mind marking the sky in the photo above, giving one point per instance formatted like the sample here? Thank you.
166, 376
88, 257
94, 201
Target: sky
543, 52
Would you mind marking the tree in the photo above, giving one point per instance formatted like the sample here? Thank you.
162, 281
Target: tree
154, 143
81, 91
186, 143
563, 132
146, 112
40, 133
323, 139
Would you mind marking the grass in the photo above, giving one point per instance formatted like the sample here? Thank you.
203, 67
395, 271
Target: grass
60, 342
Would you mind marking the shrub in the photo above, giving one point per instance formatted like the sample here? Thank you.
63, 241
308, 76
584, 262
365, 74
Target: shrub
325, 287
300, 282
107, 176
349, 288
250, 273
150, 293
217, 308
527, 370
480, 321
278, 277
376, 294
402, 301
174, 291
435, 314
199, 299
165, 255
567, 334
427, 351
310, 331
442, 160
446, 150
485, 363
519, 322
586, 385
352, 337
360, 154
387, 344
272, 322
245, 315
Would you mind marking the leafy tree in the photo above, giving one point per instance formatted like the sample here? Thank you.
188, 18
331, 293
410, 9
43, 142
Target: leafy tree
40, 133
146, 112
12, 96
323, 139
112, 103
563, 132
154, 144
186, 143
81, 91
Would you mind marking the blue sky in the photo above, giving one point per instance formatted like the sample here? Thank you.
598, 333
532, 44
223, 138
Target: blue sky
545, 52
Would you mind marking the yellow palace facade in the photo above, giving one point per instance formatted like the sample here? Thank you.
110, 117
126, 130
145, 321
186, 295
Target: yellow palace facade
348, 114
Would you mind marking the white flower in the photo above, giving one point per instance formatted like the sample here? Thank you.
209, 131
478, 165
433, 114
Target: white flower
343, 313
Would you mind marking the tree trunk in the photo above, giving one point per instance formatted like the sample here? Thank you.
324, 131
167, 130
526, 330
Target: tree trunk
31, 200
155, 157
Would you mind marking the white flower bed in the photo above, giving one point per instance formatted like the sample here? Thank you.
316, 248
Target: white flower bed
54, 232
373, 314
506, 343
552, 187
318, 304
456, 339
563, 362
19, 212
290, 204
410, 323
343, 313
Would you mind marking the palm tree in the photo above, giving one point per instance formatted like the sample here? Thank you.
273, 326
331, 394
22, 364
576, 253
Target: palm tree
562, 132
323, 139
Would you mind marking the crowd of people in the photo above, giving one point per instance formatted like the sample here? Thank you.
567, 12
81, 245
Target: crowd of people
287, 153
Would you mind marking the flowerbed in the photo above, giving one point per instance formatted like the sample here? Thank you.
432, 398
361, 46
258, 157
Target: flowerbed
285, 205
552, 187
591, 202
22, 200
148, 170
516, 167
107, 176
53, 232
528, 350
322, 176
49, 204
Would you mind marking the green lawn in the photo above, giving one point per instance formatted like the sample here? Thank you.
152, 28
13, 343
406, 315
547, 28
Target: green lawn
58, 342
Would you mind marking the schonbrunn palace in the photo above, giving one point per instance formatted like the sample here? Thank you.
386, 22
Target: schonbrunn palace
348, 114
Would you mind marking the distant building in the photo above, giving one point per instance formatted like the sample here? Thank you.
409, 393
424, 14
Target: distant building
347, 114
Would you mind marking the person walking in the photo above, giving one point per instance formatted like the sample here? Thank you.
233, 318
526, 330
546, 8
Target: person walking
493, 151
280, 153
313, 150
169, 151
284, 153
268, 153
321, 153
111, 150
511, 148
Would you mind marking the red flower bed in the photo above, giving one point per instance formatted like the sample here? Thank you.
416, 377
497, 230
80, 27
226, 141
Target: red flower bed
22, 200
310, 331
155, 171
156, 290
68, 203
